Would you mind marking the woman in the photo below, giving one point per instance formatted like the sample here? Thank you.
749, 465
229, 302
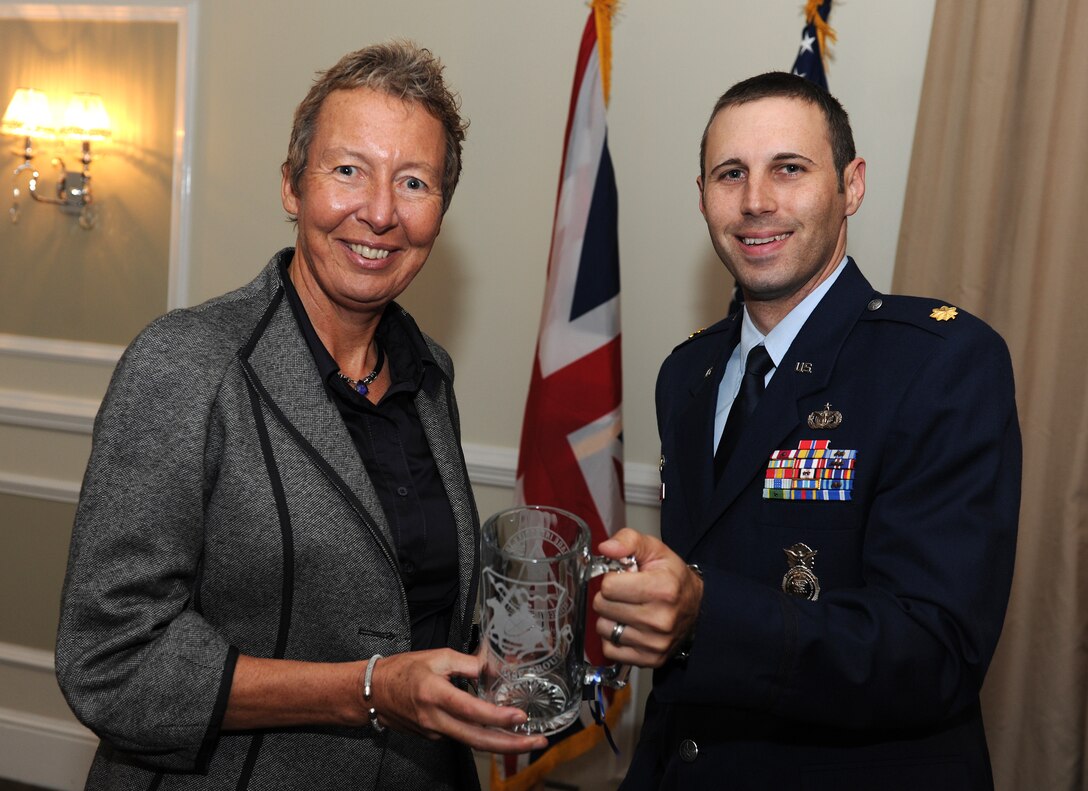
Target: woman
274, 564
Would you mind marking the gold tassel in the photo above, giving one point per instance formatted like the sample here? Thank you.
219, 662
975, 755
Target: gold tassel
603, 11
570, 747
824, 31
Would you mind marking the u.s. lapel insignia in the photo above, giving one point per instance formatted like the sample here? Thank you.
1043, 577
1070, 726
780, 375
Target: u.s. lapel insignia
800, 580
803, 368
943, 313
826, 418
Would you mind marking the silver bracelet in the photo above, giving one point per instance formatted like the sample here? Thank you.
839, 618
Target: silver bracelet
377, 726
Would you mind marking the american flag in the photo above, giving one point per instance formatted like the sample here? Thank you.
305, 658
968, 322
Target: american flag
809, 64
571, 452
810, 57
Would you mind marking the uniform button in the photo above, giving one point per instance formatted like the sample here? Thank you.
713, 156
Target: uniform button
875, 304
402, 491
689, 751
408, 567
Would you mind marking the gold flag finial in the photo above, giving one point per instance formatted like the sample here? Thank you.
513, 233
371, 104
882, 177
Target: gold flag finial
603, 11
824, 31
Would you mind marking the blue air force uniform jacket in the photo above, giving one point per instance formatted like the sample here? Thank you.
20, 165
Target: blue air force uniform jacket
874, 684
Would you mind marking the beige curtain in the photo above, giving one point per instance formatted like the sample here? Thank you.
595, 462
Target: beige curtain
996, 221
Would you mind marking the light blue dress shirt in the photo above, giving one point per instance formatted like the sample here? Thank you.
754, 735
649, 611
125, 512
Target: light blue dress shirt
777, 341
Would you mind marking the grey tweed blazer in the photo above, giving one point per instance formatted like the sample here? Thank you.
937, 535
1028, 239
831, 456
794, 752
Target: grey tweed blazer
225, 510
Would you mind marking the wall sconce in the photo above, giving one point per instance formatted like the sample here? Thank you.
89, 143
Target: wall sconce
85, 119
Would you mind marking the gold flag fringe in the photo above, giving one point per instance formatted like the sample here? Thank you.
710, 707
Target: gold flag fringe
603, 11
570, 747
824, 31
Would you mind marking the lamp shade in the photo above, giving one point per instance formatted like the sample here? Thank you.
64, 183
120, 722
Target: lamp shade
85, 118
27, 115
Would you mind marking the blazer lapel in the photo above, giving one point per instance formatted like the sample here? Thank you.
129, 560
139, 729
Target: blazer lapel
806, 368
282, 367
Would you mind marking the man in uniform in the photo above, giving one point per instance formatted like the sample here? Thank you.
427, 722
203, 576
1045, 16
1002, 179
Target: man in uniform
840, 478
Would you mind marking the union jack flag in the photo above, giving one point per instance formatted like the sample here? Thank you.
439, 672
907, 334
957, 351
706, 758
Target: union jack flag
571, 452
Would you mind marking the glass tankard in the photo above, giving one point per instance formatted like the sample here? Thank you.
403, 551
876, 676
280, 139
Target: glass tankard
535, 566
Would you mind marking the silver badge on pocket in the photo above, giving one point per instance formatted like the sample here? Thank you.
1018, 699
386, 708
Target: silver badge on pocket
800, 580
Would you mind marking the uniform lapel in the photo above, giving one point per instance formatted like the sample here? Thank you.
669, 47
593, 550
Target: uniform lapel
691, 436
805, 369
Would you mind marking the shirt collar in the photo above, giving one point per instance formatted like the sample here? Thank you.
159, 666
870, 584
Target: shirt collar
779, 339
411, 363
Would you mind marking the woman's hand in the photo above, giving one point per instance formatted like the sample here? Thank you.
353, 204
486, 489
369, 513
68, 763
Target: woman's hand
409, 692
414, 692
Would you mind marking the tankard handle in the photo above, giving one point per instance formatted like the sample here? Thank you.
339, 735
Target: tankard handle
613, 676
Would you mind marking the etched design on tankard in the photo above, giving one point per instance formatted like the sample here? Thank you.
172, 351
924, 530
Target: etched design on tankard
526, 624
535, 566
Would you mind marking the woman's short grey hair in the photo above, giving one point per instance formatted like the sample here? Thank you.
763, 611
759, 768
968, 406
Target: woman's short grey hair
400, 69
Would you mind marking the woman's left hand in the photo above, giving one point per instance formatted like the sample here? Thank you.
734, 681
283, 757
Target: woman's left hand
414, 692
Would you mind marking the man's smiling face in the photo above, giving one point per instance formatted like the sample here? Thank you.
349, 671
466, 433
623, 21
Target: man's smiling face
771, 198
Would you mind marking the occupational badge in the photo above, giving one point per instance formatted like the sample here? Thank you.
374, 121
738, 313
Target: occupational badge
943, 313
825, 418
800, 580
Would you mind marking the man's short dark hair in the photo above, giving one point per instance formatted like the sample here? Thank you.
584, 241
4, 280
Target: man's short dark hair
781, 84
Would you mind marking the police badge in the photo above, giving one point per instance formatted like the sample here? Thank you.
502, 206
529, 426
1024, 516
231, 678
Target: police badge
801, 580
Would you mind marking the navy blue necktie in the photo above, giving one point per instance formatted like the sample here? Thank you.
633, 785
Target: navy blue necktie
751, 388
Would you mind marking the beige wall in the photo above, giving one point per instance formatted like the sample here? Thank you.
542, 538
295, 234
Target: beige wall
32, 569
480, 294
513, 62
58, 280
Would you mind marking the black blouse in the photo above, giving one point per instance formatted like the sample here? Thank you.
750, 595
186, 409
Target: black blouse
394, 449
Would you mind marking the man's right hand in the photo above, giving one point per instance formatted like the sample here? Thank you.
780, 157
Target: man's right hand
658, 606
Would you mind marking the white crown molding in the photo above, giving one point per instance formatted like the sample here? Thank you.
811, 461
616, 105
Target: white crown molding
642, 484
41, 410
21, 656
45, 751
50, 752
38, 488
60, 351
484, 466
488, 465
494, 466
